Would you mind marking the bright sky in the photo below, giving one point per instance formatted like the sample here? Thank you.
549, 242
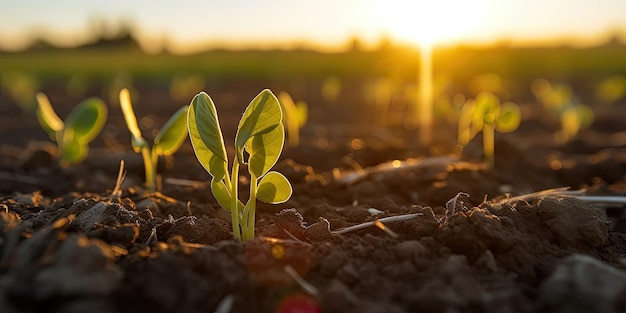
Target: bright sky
189, 23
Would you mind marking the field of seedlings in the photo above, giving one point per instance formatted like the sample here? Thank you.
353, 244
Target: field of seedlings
299, 181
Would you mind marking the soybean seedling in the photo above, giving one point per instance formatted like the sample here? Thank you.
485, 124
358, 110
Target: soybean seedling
260, 136
166, 142
81, 126
560, 100
486, 114
611, 89
573, 119
331, 88
295, 115
20, 87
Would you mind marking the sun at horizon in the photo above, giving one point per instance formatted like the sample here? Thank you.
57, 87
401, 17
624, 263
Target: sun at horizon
428, 23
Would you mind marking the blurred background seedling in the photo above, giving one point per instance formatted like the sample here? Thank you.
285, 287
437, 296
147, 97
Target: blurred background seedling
465, 130
112, 87
185, 86
331, 88
486, 114
167, 141
561, 103
611, 89
295, 116
553, 97
81, 126
443, 105
574, 118
77, 85
21, 88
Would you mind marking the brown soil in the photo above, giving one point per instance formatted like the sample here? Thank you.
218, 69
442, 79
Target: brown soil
65, 247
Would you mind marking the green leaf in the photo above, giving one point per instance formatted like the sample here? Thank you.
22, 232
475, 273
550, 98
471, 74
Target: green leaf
138, 144
206, 135
87, 119
265, 149
173, 133
510, 117
222, 195
486, 109
274, 188
262, 115
72, 150
48, 119
75, 152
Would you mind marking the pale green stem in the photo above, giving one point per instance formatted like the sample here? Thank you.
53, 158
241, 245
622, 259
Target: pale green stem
234, 207
150, 167
59, 141
155, 166
60, 151
250, 209
488, 143
227, 181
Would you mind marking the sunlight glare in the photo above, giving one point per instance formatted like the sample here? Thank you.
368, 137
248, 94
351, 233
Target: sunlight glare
426, 23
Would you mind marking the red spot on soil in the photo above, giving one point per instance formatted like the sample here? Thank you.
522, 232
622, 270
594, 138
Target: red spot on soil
298, 303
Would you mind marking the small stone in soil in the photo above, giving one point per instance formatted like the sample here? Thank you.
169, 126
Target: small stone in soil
583, 284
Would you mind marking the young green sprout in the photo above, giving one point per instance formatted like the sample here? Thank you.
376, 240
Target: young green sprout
258, 143
486, 114
81, 126
295, 115
553, 97
166, 142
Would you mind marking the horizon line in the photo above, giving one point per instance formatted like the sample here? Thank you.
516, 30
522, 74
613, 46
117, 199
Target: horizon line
166, 45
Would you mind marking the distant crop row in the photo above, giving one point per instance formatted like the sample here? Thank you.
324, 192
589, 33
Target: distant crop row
458, 63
